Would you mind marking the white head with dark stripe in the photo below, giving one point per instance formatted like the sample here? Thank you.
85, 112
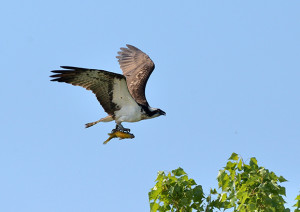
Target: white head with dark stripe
150, 112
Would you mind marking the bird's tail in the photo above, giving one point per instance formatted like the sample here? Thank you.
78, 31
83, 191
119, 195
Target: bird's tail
106, 119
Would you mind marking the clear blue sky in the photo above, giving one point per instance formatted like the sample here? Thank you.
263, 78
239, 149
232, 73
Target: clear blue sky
227, 74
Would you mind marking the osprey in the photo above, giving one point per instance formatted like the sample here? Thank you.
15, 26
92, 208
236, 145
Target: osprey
121, 96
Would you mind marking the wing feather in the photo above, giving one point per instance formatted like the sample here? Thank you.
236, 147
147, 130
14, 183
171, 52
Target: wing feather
137, 68
100, 82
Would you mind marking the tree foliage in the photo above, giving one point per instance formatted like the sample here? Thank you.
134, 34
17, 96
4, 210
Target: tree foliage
297, 204
175, 192
241, 187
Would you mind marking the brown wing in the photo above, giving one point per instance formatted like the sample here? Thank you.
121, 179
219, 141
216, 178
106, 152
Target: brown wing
100, 82
137, 68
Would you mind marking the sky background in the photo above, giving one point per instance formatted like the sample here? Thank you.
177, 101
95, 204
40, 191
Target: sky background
227, 74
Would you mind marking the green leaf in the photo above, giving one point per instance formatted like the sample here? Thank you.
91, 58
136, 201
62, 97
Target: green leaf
244, 198
282, 191
192, 182
253, 162
155, 191
234, 156
240, 165
224, 182
184, 178
160, 175
153, 195
167, 207
154, 207
282, 179
178, 172
223, 197
226, 205
297, 204
189, 194
185, 201
220, 174
213, 191
171, 191
198, 192
252, 207
230, 165
298, 197
195, 206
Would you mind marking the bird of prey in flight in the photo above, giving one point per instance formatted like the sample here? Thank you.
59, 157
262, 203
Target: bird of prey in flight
121, 96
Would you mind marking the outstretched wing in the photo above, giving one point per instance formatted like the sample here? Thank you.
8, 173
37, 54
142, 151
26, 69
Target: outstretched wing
137, 68
109, 88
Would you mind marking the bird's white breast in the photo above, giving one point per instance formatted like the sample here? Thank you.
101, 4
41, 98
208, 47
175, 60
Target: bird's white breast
129, 111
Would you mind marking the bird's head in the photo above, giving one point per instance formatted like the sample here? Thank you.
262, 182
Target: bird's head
157, 112
161, 112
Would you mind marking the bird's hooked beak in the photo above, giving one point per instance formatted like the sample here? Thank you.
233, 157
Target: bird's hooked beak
161, 112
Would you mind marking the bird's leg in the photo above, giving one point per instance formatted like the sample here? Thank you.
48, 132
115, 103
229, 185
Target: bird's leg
123, 129
116, 129
119, 127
